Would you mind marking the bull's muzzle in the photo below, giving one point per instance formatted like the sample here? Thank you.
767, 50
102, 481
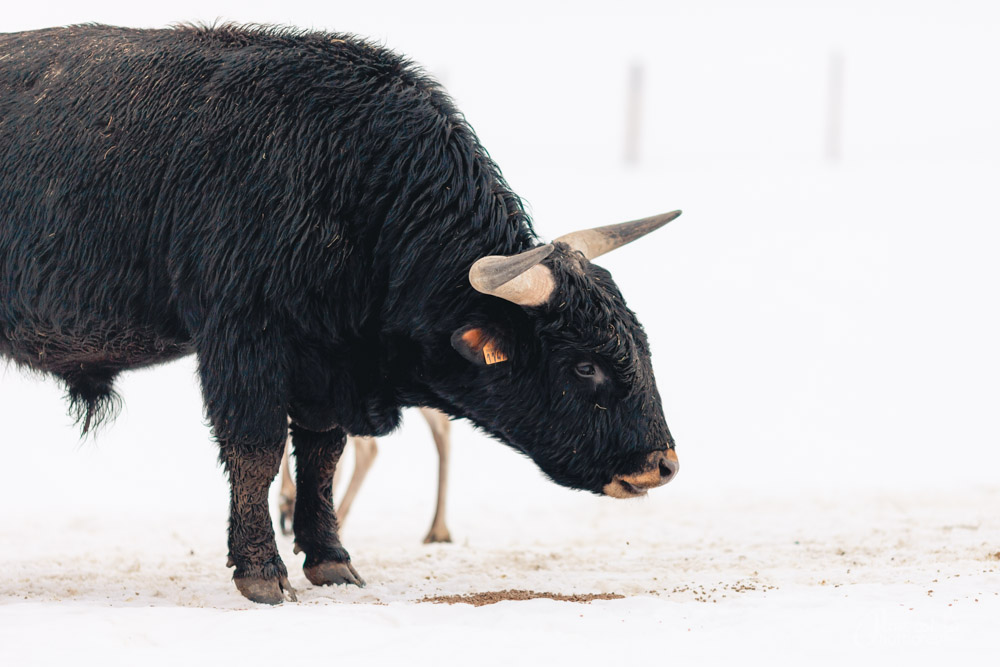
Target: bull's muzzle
661, 467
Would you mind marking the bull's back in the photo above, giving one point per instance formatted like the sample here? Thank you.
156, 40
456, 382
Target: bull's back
86, 116
151, 179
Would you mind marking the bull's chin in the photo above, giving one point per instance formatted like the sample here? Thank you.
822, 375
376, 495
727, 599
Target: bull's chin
619, 488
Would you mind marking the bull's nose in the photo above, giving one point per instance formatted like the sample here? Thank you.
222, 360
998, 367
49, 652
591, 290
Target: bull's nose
669, 465
661, 467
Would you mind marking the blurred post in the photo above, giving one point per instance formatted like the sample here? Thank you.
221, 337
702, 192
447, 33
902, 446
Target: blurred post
633, 113
835, 106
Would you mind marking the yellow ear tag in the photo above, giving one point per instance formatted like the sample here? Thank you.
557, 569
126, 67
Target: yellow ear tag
492, 355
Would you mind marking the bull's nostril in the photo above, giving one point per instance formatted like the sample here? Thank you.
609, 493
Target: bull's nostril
667, 469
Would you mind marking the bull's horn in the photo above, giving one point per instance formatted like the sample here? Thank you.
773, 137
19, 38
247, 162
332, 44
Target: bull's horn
599, 240
519, 278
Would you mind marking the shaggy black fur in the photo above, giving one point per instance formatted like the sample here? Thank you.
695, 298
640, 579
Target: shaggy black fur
300, 210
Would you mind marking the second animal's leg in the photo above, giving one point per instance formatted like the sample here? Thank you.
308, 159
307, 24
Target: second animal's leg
316, 456
339, 474
286, 503
441, 430
365, 451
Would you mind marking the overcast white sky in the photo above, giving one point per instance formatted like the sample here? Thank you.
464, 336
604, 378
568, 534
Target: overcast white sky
725, 79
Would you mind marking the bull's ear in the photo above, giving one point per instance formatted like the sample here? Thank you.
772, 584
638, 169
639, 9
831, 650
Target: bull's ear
480, 345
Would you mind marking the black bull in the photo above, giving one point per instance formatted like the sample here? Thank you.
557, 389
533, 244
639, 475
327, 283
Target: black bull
302, 211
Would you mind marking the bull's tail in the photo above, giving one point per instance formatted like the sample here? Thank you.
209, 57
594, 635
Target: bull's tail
92, 398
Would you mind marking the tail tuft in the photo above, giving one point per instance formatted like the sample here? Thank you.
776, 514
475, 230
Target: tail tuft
92, 399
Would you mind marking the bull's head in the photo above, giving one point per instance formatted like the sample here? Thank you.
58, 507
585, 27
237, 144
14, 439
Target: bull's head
566, 377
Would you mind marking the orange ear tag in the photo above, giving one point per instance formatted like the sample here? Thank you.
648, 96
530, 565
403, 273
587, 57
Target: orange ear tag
492, 355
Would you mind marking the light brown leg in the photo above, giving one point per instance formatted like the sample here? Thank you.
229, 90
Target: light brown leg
365, 451
286, 503
441, 430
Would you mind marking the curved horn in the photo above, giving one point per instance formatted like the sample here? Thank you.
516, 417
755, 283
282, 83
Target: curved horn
519, 278
599, 240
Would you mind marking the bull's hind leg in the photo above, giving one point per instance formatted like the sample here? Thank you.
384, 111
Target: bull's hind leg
316, 456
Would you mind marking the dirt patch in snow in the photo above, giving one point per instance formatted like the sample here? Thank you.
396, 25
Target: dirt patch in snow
492, 597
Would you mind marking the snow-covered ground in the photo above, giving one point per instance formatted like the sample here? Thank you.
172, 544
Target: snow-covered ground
140, 578
824, 337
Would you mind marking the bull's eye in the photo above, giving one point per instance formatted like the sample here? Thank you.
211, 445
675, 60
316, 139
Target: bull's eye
585, 369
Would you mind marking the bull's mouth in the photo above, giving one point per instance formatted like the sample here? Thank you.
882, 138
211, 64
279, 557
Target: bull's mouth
661, 467
619, 488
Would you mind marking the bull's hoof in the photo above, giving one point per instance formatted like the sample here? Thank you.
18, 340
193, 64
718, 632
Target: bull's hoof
266, 591
437, 535
266, 583
333, 572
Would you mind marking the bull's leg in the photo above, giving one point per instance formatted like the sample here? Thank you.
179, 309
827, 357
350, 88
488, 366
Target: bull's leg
286, 503
260, 575
243, 380
441, 430
365, 451
316, 456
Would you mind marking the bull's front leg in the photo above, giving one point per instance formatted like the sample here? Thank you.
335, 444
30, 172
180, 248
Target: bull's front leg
260, 575
315, 524
243, 381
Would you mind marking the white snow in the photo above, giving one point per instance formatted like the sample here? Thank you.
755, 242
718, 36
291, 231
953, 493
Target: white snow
824, 337
818, 576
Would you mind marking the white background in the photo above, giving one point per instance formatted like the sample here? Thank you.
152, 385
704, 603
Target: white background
824, 331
